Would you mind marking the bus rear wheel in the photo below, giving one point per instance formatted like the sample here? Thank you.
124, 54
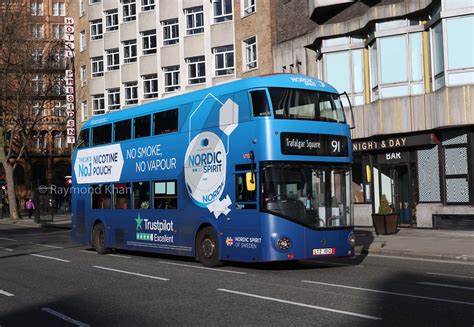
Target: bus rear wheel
207, 248
98, 239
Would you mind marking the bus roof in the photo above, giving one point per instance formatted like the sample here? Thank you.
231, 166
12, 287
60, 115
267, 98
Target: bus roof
272, 80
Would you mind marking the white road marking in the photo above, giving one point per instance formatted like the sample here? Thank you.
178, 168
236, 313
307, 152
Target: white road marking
302, 304
390, 293
118, 256
130, 273
458, 262
6, 249
206, 268
52, 258
449, 275
64, 317
446, 285
8, 239
6, 293
334, 263
48, 246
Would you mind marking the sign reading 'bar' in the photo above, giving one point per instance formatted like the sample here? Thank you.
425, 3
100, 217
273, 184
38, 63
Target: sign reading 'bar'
314, 144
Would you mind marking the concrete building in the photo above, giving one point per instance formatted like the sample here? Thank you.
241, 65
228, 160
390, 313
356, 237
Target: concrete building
408, 68
131, 52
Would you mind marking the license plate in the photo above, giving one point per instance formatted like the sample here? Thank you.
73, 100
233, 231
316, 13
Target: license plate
324, 251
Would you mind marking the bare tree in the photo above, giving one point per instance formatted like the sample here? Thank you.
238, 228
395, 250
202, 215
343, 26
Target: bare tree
30, 77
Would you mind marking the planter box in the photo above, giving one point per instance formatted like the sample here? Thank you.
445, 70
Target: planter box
385, 224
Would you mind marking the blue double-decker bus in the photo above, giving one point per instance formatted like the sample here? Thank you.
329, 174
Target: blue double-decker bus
254, 170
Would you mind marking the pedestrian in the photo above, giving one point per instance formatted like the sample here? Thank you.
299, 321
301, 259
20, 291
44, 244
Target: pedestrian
30, 206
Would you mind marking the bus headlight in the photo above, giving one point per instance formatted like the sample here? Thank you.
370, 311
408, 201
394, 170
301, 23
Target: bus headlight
283, 243
351, 239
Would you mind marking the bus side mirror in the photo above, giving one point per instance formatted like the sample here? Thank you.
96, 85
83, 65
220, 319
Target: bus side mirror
250, 181
352, 126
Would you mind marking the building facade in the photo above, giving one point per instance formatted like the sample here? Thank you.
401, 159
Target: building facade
46, 160
408, 69
131, 52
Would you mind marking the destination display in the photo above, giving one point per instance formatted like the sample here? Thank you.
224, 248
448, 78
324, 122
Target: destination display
314, 144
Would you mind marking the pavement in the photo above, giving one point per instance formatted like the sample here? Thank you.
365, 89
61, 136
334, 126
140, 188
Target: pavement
407, 242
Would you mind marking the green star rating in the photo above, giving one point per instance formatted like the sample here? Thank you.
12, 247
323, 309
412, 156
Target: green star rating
139, 222
144, 237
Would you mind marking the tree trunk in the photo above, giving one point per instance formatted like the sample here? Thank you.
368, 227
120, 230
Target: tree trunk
13, 205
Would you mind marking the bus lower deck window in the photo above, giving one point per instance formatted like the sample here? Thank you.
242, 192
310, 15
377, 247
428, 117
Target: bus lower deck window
101, 195
164, 195
122, 196
141, 195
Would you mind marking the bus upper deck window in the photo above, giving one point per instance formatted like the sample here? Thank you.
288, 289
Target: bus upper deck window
141, 126
123, 130
102, 134
260, 103
83, 139
165, 122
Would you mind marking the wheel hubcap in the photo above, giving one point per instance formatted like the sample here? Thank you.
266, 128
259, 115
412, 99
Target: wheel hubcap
207, 247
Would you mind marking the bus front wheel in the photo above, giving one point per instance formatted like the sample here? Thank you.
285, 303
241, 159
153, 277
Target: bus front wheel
98, 239
207, 248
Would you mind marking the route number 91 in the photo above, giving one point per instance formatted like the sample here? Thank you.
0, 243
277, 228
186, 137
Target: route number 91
336, 146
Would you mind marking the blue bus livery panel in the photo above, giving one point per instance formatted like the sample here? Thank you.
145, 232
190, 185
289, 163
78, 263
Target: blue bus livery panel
187, 191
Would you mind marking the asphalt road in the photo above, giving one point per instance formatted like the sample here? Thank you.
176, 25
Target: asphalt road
47, 280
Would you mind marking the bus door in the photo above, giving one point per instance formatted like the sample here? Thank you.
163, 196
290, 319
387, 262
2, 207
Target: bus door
242, 228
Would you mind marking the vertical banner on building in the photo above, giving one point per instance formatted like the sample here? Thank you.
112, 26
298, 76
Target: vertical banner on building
69, 78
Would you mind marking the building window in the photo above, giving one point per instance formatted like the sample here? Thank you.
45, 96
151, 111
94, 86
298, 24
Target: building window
396, 62
97, 64
111, 20
95, 1
59, 9
224, 60
130, 51
82, 9
170, 32
196, 70
84, 112
37, 31
82, 41
58, 31
37, 57
113, 62
194, 20
36, 8
96, 29
113, 99
222, 10
249, 7
150, 86
149, 42
131, 93
460, 50
129, 10
58, 140
83, 75
165, 195
148, 5
345, 71
171, 78
98, 104
59, 109
250, 53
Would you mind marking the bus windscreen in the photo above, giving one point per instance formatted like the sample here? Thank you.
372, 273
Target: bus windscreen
306, 105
